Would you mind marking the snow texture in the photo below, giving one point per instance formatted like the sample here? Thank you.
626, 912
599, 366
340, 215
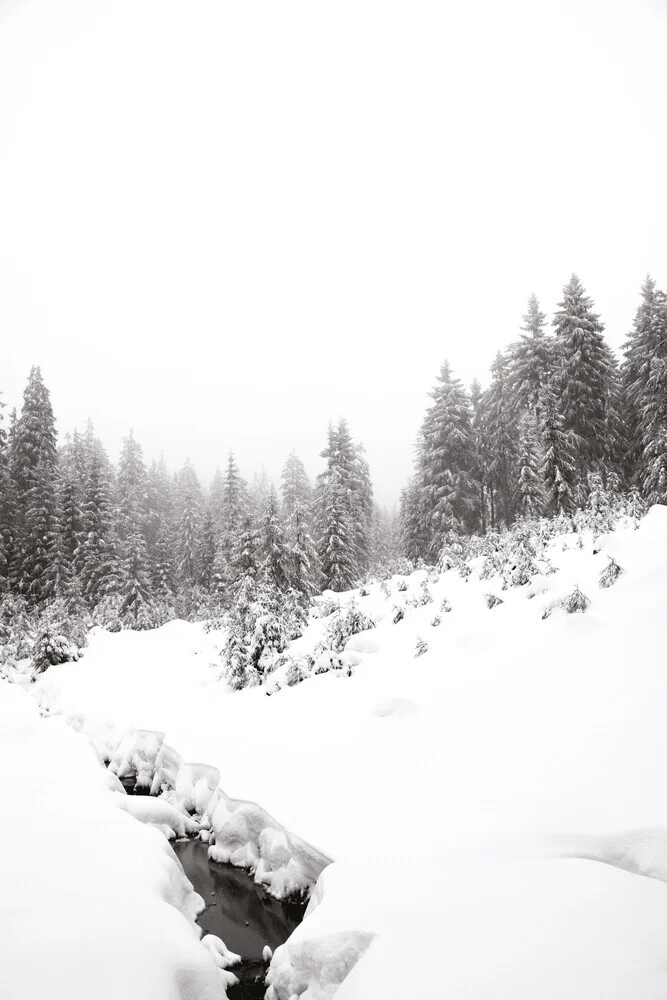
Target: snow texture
492, 808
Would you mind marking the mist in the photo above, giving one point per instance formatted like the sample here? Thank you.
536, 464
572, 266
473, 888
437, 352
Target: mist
225, 225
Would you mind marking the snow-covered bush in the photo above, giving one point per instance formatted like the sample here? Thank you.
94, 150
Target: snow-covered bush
436, 621
399, 614
492, 601
610, 573
50, 648
325, 607
299, 668
445, 606
401, 585
345, 624
575, 603
421, 647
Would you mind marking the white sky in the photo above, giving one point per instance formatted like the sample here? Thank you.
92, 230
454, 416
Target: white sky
226, 223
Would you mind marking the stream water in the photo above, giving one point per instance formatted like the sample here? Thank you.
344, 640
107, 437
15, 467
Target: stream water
240, 912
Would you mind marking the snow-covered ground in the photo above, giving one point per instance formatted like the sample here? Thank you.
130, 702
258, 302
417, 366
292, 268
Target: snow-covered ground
92, 902
466, 796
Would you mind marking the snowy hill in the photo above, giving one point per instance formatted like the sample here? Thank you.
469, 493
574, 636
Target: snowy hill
465, 794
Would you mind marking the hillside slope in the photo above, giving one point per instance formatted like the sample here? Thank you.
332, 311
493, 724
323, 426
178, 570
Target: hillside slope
464, 794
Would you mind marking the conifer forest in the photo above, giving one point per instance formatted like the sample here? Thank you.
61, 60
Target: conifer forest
559, 418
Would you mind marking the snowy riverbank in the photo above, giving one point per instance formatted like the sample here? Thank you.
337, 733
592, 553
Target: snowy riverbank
93, 903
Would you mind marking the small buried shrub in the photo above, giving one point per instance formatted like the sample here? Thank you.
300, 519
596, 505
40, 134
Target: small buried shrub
436, 621
445, 605
492, 601
402, 585
421, 647
575, 603
610, 573
399, 614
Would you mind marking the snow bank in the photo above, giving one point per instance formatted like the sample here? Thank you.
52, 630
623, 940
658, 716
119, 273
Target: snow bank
247, 836
431, 781
92, 902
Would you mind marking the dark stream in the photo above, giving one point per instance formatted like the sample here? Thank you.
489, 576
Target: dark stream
237, 910
240, 912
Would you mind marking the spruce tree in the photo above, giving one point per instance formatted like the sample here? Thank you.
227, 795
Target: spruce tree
96, 558
274, 553
446, 458
586, 382
644, 378
530, 360
188, 511
530, 497
335, 542
501, 418
558, 468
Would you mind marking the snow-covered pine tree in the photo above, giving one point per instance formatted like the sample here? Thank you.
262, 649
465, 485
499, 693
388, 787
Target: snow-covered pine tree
411, 520
135, 582
644, 376
531, 360
558, 468
34, 438
159, 523
587, 383
480, 458
446, 457
530, 497
207, 553
274, 552
231, 511
335, 537
188, 511
297, 510
302, 558
96, 558
296, 490
500, 423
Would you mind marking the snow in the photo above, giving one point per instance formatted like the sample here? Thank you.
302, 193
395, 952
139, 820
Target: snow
92, 903
467, 796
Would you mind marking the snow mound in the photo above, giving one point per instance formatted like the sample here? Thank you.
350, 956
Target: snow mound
314, 968
93, 904
246, 835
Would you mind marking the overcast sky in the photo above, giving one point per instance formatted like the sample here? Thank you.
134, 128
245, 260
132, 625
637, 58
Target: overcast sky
227, 223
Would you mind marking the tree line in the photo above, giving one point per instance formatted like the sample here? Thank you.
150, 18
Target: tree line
137, 545
559, 417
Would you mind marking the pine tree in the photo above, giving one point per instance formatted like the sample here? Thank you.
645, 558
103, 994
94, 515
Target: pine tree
446, 461
135, 583
339, 570
411, 521
297, 497
34, 438
586, 382
207, 553
644, 378
530, 496
480, 457
531, 360
302, 558
234, 507
501, 419
559, 473
274, 553
296, 491
188, 505
96, 559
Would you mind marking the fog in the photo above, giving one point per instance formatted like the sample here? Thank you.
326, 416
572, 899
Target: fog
225, 224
